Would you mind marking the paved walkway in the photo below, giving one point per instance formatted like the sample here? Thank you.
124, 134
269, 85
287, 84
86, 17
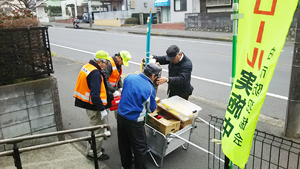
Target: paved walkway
142, 29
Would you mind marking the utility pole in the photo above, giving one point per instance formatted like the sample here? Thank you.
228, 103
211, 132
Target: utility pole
292, 125
90, 12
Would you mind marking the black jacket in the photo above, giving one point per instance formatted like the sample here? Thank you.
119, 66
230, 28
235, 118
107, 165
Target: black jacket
179, 75
94, 81
107, 72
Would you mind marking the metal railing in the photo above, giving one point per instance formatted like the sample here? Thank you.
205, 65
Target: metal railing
16, 150
267, 151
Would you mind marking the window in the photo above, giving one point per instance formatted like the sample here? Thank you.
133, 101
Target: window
179, 5
212, 3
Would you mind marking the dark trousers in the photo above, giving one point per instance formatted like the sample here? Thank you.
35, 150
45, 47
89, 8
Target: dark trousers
176, 93
132, 136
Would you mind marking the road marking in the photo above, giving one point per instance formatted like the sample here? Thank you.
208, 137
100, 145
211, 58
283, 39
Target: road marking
195, 77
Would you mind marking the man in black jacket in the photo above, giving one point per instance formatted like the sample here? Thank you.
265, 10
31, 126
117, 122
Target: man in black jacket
180, 70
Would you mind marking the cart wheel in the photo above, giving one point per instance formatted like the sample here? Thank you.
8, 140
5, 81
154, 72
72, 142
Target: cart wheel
185, 146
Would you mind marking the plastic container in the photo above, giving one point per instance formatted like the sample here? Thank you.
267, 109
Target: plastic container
181, 107
115, 103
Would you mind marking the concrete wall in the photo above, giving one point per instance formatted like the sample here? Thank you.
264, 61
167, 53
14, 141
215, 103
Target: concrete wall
140, 7
108, 22
30, 108
219, 21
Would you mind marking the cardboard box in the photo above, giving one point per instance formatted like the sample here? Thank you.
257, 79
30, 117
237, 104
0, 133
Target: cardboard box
157, 99
163, 125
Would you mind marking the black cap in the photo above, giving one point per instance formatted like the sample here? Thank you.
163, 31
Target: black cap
172, 52
152, 68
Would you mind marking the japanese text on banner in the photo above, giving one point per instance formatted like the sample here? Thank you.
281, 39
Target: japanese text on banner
261, 36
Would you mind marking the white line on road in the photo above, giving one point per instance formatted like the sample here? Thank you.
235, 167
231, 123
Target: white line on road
195, 77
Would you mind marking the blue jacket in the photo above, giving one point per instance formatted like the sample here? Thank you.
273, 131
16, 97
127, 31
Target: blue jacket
138, 96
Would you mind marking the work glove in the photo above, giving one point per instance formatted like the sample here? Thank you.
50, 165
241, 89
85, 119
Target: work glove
152, 61
116, 93
103, 114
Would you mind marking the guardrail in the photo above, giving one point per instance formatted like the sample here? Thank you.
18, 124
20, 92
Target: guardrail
16, 151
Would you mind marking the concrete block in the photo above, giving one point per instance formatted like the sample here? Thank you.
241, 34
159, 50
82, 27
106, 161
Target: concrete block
38, 99
37, 86
42, 123
11, 91
16, 130
12, 104
45, 139
13, 118
40, 111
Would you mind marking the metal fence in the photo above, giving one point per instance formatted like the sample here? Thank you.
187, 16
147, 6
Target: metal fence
267, 152
24, 52
112, 15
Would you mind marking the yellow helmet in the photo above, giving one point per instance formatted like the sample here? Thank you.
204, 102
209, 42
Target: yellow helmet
101, 54
125, 57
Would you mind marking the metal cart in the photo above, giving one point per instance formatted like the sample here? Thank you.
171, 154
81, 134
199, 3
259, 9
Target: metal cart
162, 145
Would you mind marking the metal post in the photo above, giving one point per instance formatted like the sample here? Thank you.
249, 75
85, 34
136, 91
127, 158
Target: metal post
148, 47
292, 126
16, 156
93, 146
148, 37
90, 12
235, 7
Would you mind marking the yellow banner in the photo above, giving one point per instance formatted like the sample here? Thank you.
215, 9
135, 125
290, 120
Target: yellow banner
261, 36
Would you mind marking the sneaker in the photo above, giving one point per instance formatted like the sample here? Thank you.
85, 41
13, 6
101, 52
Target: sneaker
102, 150
103, 157
107, 133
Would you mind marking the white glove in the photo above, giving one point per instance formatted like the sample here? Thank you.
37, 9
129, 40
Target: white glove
103, 114
120, 90
152, 61
116, 93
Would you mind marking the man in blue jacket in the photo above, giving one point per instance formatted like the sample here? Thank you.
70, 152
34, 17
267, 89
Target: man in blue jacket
138, 98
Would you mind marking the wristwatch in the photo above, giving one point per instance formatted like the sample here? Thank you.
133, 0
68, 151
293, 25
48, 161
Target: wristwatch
167, 80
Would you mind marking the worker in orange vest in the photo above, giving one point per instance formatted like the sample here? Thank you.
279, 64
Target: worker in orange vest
91, 94
113, 73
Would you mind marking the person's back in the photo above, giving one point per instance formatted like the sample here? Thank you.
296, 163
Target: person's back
137, 91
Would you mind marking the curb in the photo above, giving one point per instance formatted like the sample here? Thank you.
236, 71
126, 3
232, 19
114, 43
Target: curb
98, 29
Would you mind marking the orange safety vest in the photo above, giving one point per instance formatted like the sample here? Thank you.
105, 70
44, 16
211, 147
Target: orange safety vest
82, 90
115, 75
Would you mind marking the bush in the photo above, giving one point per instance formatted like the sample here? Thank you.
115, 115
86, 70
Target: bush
134, 21
18, 19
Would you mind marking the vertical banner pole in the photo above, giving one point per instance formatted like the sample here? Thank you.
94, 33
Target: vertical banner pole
235, 7
148, 47
148, 37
